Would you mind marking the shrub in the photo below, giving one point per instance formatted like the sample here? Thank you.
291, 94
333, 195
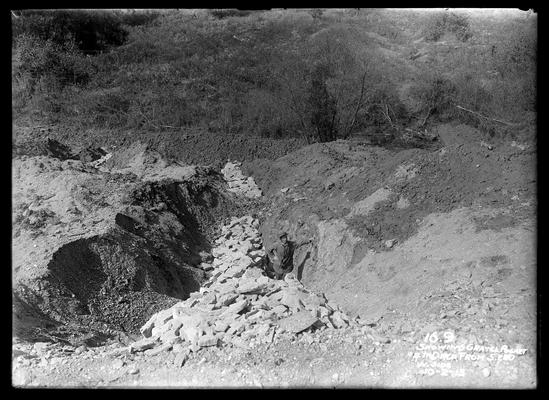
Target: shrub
459, 26
323, 104
332, 83
92, 31
435, 93
266, 115
517, 54
470, 92
443, 22
43, 68
316, 13
383, 110
229, 12
39, 57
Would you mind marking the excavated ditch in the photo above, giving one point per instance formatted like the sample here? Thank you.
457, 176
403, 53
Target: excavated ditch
147, 259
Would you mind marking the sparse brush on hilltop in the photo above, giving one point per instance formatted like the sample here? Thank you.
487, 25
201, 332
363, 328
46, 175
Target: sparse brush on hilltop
448, 22
313, 74
490, 82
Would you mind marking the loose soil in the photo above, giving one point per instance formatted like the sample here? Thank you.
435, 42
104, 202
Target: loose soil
415, 241
186, 147
102, 251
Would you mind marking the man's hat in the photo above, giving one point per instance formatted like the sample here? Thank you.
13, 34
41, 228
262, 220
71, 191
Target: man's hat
281, 234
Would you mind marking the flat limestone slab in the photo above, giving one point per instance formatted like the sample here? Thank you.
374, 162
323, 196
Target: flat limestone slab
297, 322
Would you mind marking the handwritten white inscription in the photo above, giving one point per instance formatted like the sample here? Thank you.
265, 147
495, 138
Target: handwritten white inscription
438, 353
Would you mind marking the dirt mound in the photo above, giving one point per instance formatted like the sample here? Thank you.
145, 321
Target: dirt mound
329, 179
106, 250
193, 147
53, 148
135, 155
145, 163
214, 148
391, 227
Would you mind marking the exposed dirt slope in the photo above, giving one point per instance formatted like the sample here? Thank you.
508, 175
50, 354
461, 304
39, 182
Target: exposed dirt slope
398, 234
104, 250
374, 187
189, 344
189, 148
415, 241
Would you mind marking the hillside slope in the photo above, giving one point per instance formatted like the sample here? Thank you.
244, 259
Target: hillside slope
414, 236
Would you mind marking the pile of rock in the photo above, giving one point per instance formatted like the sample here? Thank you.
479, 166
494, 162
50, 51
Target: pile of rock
238, 183
238, 305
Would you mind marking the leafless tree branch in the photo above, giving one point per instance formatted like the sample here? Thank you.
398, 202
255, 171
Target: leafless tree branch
359, 104
485, 117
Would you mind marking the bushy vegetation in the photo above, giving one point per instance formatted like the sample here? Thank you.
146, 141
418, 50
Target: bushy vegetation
488, 82
91, 31
447, 22
231, 72
229, 12
435, 93
276, 74
52, 54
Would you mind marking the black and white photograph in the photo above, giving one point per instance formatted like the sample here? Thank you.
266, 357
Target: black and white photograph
274, 198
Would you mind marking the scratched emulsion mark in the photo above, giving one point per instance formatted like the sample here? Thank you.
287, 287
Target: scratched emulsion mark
441, 353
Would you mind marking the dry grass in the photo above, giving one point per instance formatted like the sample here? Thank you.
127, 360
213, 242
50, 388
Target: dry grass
220, 72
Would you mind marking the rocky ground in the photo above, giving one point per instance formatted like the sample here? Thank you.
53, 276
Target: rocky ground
420, 271
243, 329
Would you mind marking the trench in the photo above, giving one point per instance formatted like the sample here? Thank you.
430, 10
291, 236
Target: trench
149, 258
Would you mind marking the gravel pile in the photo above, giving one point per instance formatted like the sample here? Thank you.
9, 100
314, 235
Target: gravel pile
238, 305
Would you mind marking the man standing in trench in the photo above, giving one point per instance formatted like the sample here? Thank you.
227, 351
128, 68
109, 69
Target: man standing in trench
281, 255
